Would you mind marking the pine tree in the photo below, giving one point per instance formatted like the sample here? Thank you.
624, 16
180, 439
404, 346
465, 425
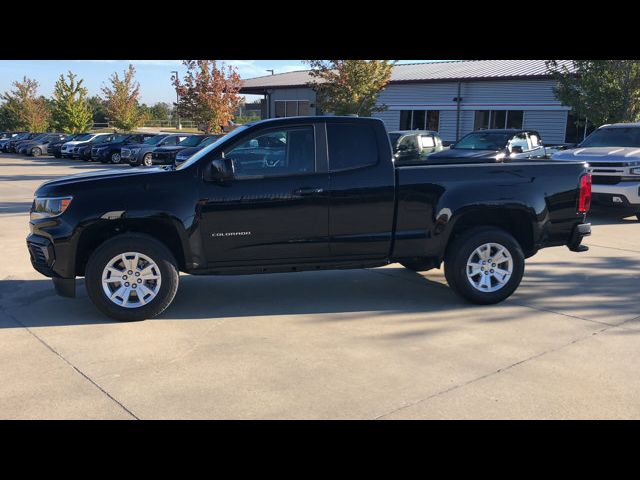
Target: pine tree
71, 110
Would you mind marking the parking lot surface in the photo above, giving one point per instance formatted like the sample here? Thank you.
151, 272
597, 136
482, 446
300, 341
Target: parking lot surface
383, 343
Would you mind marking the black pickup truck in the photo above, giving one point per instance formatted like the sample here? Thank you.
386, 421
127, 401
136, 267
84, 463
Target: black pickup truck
301, 193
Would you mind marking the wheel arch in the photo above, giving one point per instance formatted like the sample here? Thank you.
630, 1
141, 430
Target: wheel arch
517, 222
163, 230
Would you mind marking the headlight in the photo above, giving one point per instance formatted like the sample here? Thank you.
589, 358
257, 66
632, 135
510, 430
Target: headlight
135, 151
47, 207
635, 171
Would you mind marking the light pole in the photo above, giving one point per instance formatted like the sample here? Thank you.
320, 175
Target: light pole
178, 126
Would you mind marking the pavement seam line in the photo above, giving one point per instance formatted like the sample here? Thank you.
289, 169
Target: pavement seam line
490, 374
613, 248
87, 377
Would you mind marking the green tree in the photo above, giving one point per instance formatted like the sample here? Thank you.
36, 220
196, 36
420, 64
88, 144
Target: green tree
349, 86
8, 118
98, 109
121, 99
71, 110
23, 105
604, 91
160, 111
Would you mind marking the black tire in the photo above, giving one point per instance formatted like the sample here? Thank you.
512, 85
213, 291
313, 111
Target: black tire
417, 265
148, 246
36, 152
147, 160
458, 253
115, 158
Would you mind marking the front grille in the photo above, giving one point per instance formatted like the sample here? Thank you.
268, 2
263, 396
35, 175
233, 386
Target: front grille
38, 255
604, 180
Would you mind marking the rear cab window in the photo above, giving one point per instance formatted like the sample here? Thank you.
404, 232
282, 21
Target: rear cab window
351, 146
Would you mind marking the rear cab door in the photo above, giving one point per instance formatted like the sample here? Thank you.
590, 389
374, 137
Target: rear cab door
361, 188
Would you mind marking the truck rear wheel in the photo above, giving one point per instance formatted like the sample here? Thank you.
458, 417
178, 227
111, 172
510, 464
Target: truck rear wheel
484, 265
132, 277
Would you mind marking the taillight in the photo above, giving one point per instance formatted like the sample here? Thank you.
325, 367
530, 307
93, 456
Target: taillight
584, 199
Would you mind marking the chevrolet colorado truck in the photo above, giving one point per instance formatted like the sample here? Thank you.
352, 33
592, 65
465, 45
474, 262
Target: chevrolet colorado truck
301, 193
613, 155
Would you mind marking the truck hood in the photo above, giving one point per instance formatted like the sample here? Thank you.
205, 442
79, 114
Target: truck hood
65, 185
600, 154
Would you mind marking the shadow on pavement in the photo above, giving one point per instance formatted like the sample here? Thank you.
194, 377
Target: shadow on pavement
605, 286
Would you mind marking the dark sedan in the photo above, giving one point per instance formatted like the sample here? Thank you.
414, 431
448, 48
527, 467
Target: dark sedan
167, 155
55, 148
495, 145
184, 154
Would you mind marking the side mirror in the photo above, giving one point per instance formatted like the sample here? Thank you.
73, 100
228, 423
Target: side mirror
516, 149
221, 170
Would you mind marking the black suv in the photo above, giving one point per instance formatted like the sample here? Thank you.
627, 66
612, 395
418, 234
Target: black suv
109, 152
166, 155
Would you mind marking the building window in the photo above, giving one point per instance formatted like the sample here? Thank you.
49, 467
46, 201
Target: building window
291, 108
420, 120
498, 119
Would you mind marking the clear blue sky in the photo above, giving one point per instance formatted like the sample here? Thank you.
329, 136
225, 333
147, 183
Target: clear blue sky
153, 75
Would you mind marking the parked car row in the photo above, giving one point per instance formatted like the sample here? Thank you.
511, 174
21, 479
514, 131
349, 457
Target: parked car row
136, 149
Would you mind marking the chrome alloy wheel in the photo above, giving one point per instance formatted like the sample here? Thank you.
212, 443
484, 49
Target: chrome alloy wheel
131, 280
489, 267
115, 158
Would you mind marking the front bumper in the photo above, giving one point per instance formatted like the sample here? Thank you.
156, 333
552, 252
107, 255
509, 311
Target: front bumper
43, 259
624, 194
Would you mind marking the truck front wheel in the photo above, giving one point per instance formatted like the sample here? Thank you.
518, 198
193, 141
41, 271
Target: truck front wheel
131, 277
484, 265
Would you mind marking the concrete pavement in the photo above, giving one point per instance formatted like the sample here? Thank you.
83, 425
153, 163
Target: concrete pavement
371, 343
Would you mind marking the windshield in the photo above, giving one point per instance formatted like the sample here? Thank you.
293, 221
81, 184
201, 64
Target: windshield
119, 138
210, 140
214, 145
191, 141
155, 139
484, 141
613, 137
80, 138
394, 137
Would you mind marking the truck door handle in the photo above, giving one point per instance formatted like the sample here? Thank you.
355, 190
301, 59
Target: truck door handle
307, 191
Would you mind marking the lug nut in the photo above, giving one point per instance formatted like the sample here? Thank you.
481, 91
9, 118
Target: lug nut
124, 277
139, 280
126, 284
133, 286
138, 273
130, 272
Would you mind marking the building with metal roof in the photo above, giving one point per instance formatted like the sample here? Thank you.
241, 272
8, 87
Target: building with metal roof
451, 97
